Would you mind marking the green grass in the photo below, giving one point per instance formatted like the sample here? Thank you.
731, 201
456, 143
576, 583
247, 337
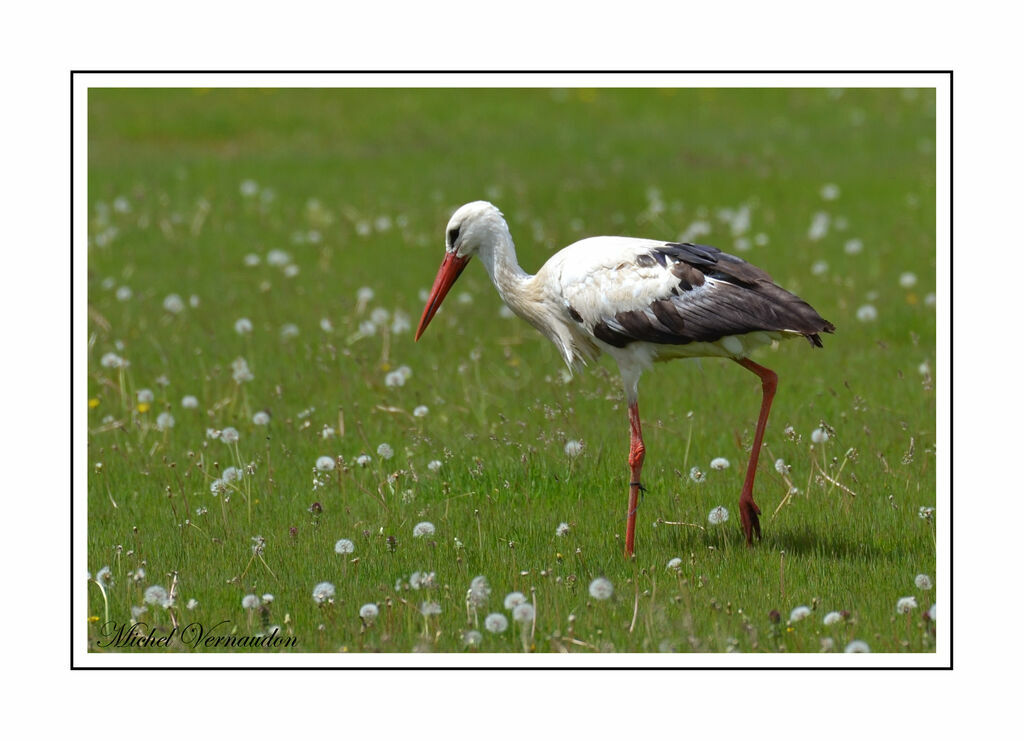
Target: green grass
357, 187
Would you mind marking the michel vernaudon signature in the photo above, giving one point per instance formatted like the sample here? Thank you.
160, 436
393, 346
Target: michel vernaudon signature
193, 635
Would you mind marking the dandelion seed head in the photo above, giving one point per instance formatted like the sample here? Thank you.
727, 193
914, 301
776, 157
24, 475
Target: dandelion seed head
394, 379
434, 466
674, 564
243, 326
229, 435
562, 530
250, 602
479, 591
472, 638
857, 647
369, 612
155, 595
512, 599
523, 613
278, 258
105, 577
385, 451
430, 608
496, 623
363, 460
325, 463
718, 515
113, 360
189, 402
819, 436
423, 528
719, 464
144, 396
344, 546
832, 618
799, 613
867, 313
420, 411
124, 293
174, 304
165, 421
573, 448
601, 588
908, 280
923, 581
261, 418
230, 474
697, 476
905, 605
323, 592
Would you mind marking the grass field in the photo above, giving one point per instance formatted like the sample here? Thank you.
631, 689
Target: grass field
266, 253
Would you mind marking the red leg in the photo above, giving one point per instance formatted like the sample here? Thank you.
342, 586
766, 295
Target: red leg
748, 510
636, 462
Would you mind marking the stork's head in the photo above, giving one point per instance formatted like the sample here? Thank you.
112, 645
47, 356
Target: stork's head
470, 227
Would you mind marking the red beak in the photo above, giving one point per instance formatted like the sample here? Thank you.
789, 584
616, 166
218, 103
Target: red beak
449, 272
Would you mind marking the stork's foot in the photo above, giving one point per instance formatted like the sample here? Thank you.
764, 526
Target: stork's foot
748, 515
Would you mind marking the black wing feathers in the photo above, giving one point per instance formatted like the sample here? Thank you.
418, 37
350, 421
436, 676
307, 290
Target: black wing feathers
745, 300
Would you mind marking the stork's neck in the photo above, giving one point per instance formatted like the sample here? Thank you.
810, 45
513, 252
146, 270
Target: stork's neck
498, 255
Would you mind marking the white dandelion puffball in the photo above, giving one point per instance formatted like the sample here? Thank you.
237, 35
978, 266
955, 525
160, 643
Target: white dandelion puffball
229, 435
514, 599
908, 280
112, 360
573, 448
601, 588
674, 564
819, 436
164, 421
867, 313
249, 188
479, 591
174, 304
799, 613
719, 464
718, 515
144, 396
323, 592
124, 293
324, 463
832, 618
326, 325
423, 528
385, 451
278, 258
697, 476
364, 294
243, 326
904, 605
344, 546
853, 247
289, 331
261, 418
363, 460
562, 530
923, 581
829, 192
472, 638
404, 371
430, 608
231, 474
496, 622
394, 379
523, 613
369, 612
250, 602
189, 402
857, 647
155, 595
434, 466
420, 411
252, 260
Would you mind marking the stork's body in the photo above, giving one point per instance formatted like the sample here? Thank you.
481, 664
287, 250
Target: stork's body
640, 301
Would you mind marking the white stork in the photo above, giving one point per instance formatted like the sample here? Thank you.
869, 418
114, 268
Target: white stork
640, 301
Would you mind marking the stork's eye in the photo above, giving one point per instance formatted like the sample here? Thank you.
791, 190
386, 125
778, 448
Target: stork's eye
453, 234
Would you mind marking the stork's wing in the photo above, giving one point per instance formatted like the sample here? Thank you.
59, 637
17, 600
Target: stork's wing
677, 293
